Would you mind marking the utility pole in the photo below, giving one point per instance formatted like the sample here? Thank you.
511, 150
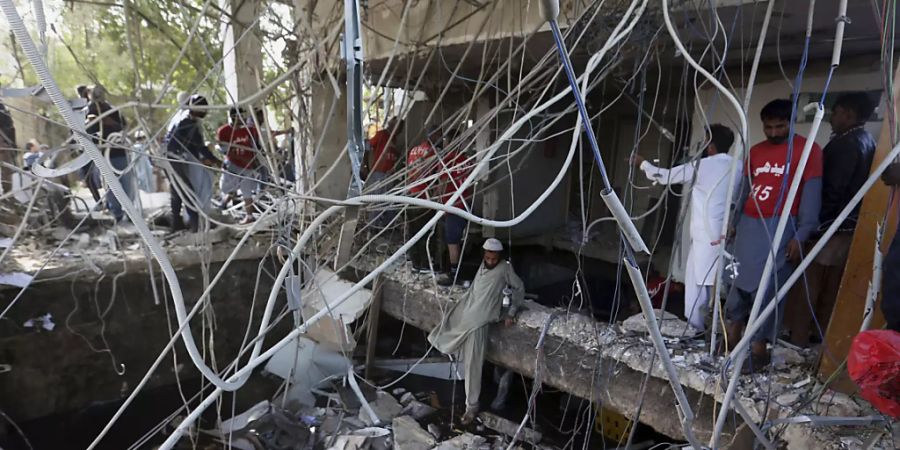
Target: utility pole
353, 58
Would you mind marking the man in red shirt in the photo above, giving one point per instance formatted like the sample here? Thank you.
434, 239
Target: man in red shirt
420, 165
770, 173
240, 170
382, 160
384, 155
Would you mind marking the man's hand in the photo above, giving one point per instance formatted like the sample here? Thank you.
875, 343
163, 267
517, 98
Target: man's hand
211, 163
891, 176
794, 248
509, 321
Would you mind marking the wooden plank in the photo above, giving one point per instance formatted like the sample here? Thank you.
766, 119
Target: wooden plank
847, 316
345, 243
372, 327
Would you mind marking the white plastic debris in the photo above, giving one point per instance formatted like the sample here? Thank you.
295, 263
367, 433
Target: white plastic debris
45, 322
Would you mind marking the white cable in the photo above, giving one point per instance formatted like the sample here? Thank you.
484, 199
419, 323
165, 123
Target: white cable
201, 302
113, 184
474, 175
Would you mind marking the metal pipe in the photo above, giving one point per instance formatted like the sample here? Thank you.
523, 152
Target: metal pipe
687, 416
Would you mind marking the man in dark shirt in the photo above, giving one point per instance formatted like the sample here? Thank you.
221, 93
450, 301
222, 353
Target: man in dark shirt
102, 128
847, 160
185, 145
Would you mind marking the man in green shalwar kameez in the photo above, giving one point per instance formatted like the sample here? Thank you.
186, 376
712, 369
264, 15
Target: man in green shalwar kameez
465, 328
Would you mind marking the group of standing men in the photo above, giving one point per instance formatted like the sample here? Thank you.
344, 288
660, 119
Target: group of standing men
829, 180
434, 170
189, 154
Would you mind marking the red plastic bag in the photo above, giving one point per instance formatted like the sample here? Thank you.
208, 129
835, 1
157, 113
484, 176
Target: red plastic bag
874, 365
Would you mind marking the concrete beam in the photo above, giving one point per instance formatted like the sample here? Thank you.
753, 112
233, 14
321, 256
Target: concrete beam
589, 359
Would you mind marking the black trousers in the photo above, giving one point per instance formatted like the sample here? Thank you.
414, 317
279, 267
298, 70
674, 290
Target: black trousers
416, 219
182, 170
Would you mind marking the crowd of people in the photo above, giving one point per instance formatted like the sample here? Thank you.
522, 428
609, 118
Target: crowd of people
434, 169
831, 177
185, 157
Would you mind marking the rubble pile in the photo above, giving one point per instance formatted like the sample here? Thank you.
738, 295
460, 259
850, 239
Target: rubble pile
412, 422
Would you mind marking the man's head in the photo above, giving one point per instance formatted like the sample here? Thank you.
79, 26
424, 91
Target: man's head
83, 91
434, 135
197, 100
394, 123
492, 249
237, 116
776, 119
98, 93
31, 146
44, 148
720, 139
850, 110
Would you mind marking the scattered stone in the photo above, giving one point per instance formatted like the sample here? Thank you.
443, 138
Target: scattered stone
330, 425
348, 442
409, 435
671, 325
465, 441
354, 422
837, 404
384, 406
407, 398
380, 443
434, 430
509, 427
788, 398
399, 392
784, 356
418, 410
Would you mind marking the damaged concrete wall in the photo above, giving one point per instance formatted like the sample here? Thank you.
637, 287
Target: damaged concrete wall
61, 372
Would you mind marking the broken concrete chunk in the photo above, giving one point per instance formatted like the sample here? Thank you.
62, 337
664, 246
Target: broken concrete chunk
409, 435
347, 442
407, 398
508, 427
418, 410
398, 392
671, 325
434, 430
784, 356
384, 406
465, 441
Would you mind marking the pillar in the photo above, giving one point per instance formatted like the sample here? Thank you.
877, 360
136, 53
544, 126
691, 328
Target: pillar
242, 49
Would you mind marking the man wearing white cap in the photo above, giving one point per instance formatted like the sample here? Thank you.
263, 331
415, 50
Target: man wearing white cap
496, 293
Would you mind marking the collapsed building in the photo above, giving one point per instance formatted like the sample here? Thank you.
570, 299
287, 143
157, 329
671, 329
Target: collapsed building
327, 287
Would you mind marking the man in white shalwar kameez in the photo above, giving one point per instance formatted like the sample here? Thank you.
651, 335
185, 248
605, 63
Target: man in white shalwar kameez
708, 180
464, 328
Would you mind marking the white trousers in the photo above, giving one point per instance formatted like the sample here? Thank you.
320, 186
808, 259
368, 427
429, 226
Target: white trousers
699, 275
